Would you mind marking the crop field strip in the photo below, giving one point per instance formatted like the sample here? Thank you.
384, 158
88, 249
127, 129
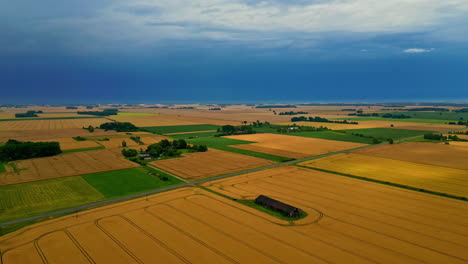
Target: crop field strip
433, 178
64, 165
211, 163
181, 129
291, 146
169, 120
51, 124
403, 222
190, 226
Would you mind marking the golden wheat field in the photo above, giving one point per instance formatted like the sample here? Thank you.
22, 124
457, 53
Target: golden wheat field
190, 225
70, 143
50, 134
51, 124
436, 154
211, 163
291, 146
421, 176
64, 165
164, 120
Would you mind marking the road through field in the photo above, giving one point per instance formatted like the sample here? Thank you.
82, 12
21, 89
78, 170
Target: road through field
91, 205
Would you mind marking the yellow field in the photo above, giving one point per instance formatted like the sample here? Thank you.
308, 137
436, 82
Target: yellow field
160, 120
70, 143
349, 221
205, 164
153, 139
442, 155
459, 143
117, 142
51, 124
433, 178
378, 124
50, 134
64, 165
291, 146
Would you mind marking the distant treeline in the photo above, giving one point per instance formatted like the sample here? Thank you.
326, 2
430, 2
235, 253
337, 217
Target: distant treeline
293, 113
294, 128
348, 109
436, 109
119, 126
105, 112
275, 106
321, 119
71, 107
17, 150
28, 114
235, 130
463, 110
215, 108
387, 115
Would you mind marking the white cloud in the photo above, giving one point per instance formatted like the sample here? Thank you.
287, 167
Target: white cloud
417, 50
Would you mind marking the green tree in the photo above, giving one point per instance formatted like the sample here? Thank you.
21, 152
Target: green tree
124, 144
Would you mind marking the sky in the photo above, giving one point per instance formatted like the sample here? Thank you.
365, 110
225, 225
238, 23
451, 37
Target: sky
220, 51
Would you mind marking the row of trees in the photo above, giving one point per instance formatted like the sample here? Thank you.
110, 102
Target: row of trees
275, 106
18, 150
295, 128
293, 113
235, 130
105, 112
28, 114
167, 148
119, 126
321, 119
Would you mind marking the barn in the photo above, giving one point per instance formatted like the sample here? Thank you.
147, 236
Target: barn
285, 209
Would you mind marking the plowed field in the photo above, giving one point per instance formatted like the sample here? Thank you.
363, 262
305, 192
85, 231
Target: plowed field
64, 165
194, 226
291, 146
210, 163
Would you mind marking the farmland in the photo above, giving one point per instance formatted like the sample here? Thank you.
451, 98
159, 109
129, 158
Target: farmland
424, 153
64, 165
70, 143
191, 225
211, 163
165, 120
180, 129
51, 124
31, 198
421, 176
384, 133
291, 146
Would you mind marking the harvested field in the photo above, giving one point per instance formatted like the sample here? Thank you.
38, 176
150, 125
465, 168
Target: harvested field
117, 142
70, 143
442, 155
291, 146
194, 226
211, 163
459, 143
421, 176
64, 165
375, 124
50, 124
163, 120
31, 135
152, 139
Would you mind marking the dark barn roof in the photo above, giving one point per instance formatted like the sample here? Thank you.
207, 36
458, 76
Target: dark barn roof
276, 205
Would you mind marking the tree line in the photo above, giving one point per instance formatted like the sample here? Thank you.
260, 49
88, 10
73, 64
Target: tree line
321, 119
28, 114
293, 113
18, 150
119, 126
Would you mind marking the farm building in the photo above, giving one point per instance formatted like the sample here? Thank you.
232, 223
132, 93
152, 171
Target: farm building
281, 207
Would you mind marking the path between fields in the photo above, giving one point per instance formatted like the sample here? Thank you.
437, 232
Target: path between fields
186, 184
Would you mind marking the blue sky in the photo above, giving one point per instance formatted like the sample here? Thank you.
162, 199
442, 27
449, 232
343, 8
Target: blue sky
147, 51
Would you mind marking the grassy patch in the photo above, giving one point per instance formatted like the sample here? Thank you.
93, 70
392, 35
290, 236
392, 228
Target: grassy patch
2, 168
135, 114
192, 135
32, 198
118, 183
180, 129
223, 144
385, 133
82, 149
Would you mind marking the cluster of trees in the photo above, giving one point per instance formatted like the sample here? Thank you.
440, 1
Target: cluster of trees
215, 108
295, 128
293, 113
17, 150
71, 107
119, 126
79, 138
459, 132
434, 136
435, 109
129, 153
396, 116
28, 114
137, 139
321, 119
235, 130
362, 114
460, 122
463, 110
167, 148
105, 112
348, 109
275, 106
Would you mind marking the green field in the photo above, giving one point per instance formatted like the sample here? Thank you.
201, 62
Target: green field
192, 135
128, 181
385, 133
180, 129
223, 144
33, 198
135, 114
2, 168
